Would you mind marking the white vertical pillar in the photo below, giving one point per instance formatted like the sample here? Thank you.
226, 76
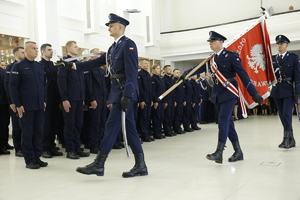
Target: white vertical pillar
47, 27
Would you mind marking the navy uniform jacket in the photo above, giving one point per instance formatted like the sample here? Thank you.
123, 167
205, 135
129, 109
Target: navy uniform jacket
188, 91
53, 96
178, 93
158, 87
3, 97
27, 85
6, 82
96, 85
169, 82
290, 67
203, 89
145, 91
71, 84
119, 64
229, 64
196, 91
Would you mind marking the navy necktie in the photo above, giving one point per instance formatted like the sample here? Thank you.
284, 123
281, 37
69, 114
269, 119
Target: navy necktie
280, 58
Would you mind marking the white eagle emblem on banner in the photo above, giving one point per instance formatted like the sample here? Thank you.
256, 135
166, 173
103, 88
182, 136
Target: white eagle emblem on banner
257, 58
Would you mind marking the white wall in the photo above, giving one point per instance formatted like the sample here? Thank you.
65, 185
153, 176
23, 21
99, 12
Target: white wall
57, 21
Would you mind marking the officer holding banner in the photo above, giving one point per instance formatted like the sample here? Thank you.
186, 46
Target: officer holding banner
287, 70
227, 64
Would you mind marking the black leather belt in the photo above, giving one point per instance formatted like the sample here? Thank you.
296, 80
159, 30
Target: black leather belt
118, 76
284, 79
229, 79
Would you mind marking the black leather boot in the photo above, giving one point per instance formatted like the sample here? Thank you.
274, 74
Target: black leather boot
292, 140
139, 168
96, 167
285, 144
218, 155
238, 154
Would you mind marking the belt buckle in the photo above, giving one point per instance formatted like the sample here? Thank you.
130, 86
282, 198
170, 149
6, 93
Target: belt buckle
216, 81
279, 80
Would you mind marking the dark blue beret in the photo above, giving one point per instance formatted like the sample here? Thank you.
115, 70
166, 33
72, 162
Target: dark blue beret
215, 36
113, 18
282, 38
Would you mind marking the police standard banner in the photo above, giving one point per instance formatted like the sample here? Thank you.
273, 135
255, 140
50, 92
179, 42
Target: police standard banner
254, 49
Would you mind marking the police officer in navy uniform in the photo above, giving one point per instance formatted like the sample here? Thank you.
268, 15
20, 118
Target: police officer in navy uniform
195, 102
53, 114
287, 70
19, 54
72, 92
28, 90
122, 60
157, 112
229, 64
96, 99
4, 113
187, 108
180, 102
145, 101
168, 102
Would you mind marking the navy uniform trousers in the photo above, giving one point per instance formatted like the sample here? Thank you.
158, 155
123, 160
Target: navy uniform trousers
143, 120
4, 123
113, 127
73, 121
53, 125
32, 124
157, 116
285, 109
97, 123
225, 122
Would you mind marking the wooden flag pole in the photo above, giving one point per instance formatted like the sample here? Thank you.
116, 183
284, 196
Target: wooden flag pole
187, 76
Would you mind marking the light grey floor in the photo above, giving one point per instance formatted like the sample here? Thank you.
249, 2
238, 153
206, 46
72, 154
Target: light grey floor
178, 170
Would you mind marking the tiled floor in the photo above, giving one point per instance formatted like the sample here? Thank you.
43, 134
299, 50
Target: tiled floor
178, 170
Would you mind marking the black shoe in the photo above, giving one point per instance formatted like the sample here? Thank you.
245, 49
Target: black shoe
8, 146
96, 167
217, 156
33, 165
87, 146
169, 134
158, 137
3, 151
139, 169
146, 139
19, 153
41, 163
46, 154
57, 148
196, 128
122, 144
55, 152
94, 150
179, 131
72, 155
82, 153
117, 146
238, 154
188, 129
152, 139
285, 144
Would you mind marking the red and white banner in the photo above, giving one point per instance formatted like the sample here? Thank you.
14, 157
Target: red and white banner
254, 49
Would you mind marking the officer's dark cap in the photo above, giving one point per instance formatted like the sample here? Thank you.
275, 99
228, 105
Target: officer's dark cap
215, 36
282, 38
113, 18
